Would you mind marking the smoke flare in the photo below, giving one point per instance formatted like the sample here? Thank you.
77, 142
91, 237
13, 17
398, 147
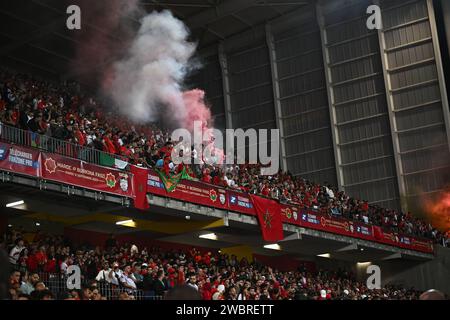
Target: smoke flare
142, 74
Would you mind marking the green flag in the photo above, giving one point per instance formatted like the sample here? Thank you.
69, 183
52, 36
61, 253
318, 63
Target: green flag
170, 182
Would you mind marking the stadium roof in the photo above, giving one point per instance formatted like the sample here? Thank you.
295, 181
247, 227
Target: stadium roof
34, 34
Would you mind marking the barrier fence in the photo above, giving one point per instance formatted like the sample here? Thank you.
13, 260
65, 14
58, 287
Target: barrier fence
58, 284
57, 154
52, 145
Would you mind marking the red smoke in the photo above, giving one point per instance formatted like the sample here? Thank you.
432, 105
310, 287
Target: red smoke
438, 210
106, 38
196, 110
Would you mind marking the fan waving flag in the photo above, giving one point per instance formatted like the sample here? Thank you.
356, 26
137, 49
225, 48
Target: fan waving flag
269, 216
171, 182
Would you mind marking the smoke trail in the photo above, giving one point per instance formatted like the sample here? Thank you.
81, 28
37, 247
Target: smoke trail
140, 67
106, 32
147, 84
196, 109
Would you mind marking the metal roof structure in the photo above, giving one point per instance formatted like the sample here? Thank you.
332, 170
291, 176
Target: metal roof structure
34, 33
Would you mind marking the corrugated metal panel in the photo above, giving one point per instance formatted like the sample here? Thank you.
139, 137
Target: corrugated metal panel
358, 103
251, 87
303, 97
209, 79
415, 96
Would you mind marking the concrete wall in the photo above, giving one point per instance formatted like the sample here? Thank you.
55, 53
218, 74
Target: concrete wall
434, 274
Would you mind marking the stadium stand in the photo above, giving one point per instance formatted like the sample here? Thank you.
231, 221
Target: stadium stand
117, 271
57, 119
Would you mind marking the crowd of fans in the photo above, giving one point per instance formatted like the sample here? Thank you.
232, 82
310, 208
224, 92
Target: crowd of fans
61, 113
156, 272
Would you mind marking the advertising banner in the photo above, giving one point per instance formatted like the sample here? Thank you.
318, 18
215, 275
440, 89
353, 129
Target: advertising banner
207, 195
189, 191
240, 202
81, 174
19, 160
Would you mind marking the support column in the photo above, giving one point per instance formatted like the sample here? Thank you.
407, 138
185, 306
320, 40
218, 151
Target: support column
439, 65
392, 121
226, 86
330, 93
276, 94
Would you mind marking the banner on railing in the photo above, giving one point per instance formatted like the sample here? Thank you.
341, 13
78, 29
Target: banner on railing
82, 174
203, 194
240, 202
190, 191
317, 221
27, 161
20, 160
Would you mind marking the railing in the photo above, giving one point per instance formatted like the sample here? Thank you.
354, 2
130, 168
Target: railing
48, 144
57, 284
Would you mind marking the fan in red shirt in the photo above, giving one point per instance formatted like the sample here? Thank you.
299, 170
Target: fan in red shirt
198, 258
41, 105
80, 136
207, 259
109, 145
41, 258
206, 177
181, 279
166, 166
219, 180
171, 277
50, 266
205, 291
265, 190
32, 263
365, 206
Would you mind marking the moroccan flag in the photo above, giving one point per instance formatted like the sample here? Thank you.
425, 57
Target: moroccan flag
140, 177
377, 232
269, 216
170, 182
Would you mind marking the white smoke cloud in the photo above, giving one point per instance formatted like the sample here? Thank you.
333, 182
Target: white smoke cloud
150, 76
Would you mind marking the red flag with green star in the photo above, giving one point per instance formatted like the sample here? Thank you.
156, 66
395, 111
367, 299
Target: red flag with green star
269, 217
140, 187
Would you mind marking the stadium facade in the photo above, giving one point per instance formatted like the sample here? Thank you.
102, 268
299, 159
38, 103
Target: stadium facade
365, 110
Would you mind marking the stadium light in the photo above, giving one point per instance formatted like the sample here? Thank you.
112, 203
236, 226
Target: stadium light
275, 246
324, 255
127, 223
15, 204
209, 236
